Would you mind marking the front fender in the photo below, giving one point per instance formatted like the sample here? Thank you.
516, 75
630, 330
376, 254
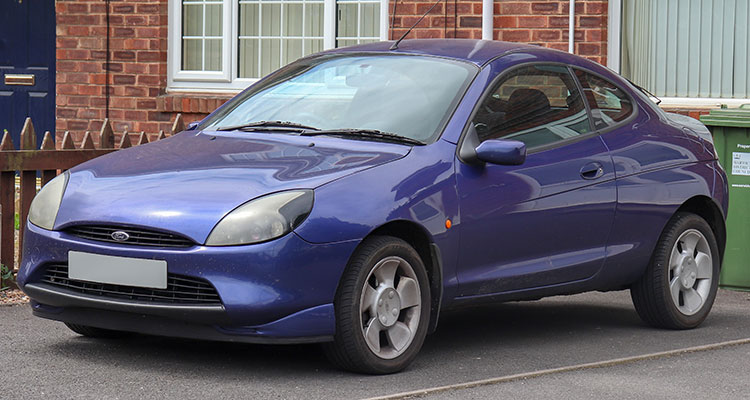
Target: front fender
419, 188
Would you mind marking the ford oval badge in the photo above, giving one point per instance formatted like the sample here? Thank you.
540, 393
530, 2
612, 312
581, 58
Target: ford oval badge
120, 236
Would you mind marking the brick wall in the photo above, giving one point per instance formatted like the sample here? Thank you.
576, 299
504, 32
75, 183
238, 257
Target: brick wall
545, 23
137, 70
449, 19
138, 51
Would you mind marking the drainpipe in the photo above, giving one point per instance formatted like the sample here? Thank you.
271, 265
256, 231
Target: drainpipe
571, 27
487, 22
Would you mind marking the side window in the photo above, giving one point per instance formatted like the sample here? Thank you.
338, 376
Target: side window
609, 104
538, 105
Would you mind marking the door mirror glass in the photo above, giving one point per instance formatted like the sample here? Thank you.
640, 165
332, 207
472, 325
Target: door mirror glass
503, 152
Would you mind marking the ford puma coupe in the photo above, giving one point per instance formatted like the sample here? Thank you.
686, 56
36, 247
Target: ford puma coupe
352, 196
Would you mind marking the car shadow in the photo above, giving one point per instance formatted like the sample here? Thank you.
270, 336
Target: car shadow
468, 331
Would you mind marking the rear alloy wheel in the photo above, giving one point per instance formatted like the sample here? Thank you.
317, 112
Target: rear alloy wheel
92, 332
679, 287
382, 308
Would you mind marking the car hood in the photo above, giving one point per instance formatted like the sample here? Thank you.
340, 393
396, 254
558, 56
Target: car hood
185, 184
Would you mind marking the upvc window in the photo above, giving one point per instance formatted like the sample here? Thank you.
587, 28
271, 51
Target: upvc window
226, 45
685, 51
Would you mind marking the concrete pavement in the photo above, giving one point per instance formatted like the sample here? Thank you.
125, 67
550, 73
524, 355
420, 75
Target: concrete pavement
42, 359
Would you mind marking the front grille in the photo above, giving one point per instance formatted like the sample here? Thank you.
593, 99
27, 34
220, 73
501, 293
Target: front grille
180, 289
137, 236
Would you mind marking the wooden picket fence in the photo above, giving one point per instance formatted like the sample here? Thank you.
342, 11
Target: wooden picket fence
47, 161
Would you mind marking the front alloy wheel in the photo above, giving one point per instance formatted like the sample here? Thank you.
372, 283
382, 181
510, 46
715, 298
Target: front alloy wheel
382, 308
390, 307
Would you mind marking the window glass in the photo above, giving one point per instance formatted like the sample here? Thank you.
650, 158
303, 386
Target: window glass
201, 35
408, 95
609, 104
273, 33
537, 105
223, 40
358, 21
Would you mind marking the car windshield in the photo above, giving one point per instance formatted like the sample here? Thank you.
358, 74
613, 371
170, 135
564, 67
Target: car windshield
411, 96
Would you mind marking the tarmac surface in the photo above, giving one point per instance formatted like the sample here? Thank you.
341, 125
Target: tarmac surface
43, 359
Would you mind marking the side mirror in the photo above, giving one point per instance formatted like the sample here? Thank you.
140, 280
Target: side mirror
503, 152
191, 126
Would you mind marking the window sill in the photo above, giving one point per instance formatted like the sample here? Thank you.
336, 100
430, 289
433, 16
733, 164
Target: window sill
191, 102
700, 103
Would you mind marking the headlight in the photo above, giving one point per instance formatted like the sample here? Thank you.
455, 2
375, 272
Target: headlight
262, 219
46, 203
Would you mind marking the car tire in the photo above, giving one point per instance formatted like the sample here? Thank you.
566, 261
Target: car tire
679, 286
382, 308
92, 332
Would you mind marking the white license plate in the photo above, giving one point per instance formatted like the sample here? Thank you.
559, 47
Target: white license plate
117, 270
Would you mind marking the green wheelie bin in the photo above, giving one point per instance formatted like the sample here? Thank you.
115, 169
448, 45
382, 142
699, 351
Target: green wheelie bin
731, 131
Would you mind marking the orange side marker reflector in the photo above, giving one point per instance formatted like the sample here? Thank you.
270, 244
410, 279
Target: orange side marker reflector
448, 223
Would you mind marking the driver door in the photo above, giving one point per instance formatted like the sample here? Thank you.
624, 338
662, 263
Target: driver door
544, 222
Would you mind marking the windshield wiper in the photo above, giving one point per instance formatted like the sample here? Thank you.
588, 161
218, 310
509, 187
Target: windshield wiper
365, 133
265, 125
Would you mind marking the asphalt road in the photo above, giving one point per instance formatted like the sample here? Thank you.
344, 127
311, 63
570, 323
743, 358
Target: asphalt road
42, 359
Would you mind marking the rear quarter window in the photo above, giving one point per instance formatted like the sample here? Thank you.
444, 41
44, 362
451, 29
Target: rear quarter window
608, 102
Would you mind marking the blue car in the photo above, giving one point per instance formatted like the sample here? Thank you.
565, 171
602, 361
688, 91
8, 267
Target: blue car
352, 196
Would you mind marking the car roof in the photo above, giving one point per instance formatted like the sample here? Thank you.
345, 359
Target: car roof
478, 52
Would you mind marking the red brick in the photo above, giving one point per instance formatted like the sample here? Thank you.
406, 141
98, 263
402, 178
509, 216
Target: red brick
125, 55
146, 104
67, 66
147, 8
123, 32
77, 30
505, 22
77, 8
136, 115
123, 79
532, 22
88, 113
135, 20
135, 68
596, 8
591, 22
550, 7
150, 80
588, 49
65, 112
123, 9
578, 35
555, 22
423, 7
470, 22
546, 35
429, 33
594, 35
158, 116
122, 102
516, 35
520, 8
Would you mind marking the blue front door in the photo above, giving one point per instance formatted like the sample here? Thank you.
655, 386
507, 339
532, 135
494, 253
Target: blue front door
544, 222
27, 66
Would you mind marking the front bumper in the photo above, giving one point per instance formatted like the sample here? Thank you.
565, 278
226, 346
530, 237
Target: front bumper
279, 291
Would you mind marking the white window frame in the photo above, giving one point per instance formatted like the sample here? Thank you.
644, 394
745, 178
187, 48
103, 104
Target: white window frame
614, 46
226, 80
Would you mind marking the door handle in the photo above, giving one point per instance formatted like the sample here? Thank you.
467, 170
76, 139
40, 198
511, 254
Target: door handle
592, 170
20, 79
